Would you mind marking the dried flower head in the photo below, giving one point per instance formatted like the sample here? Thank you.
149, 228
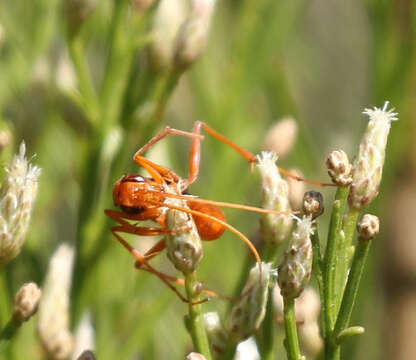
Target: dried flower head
184, 248
282, 136
313, 204
17, 195
169, 16
84, 337
275, 196
193, 34
339, 168
86, 355
248, 313
295, 270
26, 301
53, 319
368, 227
216, 333
368, 166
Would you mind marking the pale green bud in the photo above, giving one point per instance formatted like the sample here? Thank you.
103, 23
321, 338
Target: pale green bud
53, 317
216, 333
368, 166
275, 196
193, 34
248, 313
184, 248
169, 16
295, 270
17, 195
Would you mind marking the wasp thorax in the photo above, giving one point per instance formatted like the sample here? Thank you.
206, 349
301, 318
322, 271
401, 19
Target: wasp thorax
133, 193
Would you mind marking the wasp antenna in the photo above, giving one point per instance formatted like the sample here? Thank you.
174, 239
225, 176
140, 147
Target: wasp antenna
298, 178
226, 204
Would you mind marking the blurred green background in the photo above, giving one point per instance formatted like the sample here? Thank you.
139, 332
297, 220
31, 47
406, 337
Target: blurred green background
320, 61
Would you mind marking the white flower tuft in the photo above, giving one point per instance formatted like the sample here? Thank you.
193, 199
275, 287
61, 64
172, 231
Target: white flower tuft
17, 195
383, 114
368, 166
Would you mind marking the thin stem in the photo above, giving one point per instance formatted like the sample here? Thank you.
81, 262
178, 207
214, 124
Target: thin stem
292, 342
4, 297
318, 270
351, 289
7, 333
86, 88
162, 95
331, 258
344, 252
196, 320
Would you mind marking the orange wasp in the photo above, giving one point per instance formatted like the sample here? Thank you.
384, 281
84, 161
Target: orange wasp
144, 198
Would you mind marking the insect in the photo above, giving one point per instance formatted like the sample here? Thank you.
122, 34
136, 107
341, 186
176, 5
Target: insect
143, 198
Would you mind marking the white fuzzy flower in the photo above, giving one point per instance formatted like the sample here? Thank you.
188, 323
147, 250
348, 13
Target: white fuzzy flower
275, 196
53, 314
17, 195
368, 166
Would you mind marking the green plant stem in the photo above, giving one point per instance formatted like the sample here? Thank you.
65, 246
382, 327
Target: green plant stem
86, 88
162, 95
292, 342
196, 320
330, 262
318, 270
4, 297
351, 289
7, 333
117, 66
344, 252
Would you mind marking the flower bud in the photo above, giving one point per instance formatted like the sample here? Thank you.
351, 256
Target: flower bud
53, 318
368, 227
216, 333
26, 301
248, 313
339, 168
193, 34
368, 167
195, 356
84, 338
282, 136
295, 270
86, 355
184, 248
313, 204
275, 196
169, 16
17, 195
